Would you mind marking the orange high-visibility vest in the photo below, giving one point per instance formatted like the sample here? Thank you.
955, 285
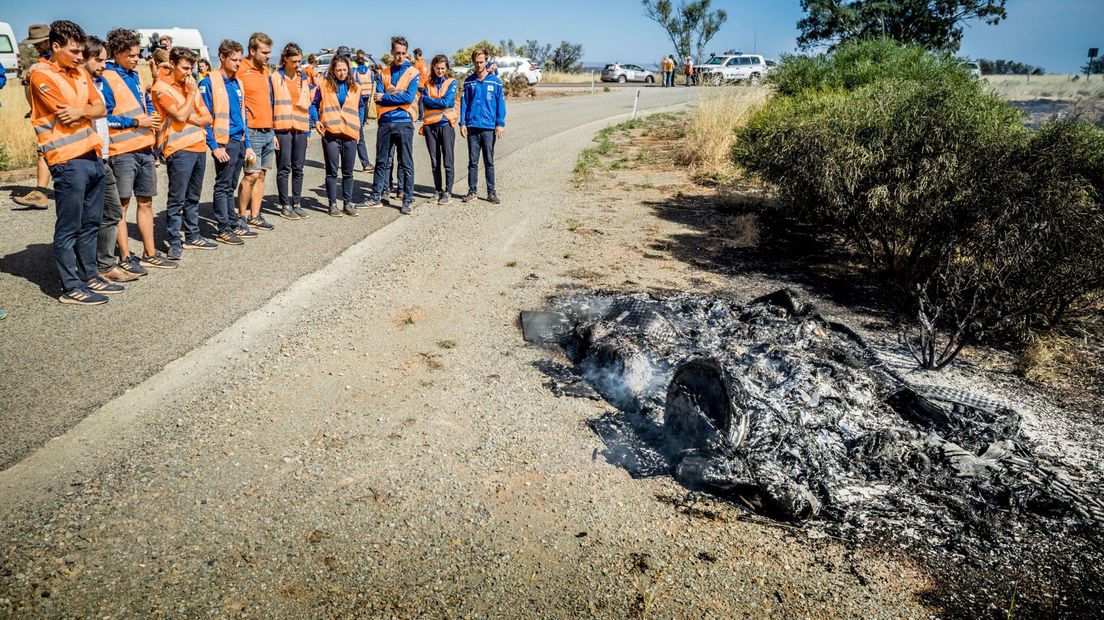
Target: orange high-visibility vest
433, 116
340, 119
288, 114
59, 142
404, 82
175, 135
129, 139
220, 101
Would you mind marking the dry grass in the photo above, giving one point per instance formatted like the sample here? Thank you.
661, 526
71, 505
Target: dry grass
17, 148
711, 131
562, 77
1022, 87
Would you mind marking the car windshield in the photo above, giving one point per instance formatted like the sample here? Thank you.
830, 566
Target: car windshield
5, 44
716, 60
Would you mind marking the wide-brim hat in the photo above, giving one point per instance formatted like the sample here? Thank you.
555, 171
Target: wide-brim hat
37, 33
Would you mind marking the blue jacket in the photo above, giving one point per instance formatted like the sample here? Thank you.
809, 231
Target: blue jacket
130, 78
484, 103
404, 98
3, 77
445, 102
237, 118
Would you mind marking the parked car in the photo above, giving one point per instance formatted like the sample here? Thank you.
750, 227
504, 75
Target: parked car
732, 68
9, 52
509, 66
461, 71
618, 72
974, 69
323, 64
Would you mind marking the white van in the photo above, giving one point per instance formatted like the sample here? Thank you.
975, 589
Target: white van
186, 37
9, 50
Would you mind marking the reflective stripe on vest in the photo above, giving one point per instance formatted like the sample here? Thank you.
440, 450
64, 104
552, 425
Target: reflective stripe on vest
340, 119
176, 135
288, 114
220, 101
129, 139
433, 116
60, 142
404, 82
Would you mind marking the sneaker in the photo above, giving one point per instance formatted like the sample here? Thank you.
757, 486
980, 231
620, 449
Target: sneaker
299, 212
35, 199
288, 213
117, 274
103, 287
157, 261
371, 203
229, 238
401, 197
200, 244
79, 297
349, 210
405, 209
260, 224
243, 231
493, 199
132, 265
444, 199
175, 253
469, 197
335, 211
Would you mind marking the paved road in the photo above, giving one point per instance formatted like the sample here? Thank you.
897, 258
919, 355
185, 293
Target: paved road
59, 363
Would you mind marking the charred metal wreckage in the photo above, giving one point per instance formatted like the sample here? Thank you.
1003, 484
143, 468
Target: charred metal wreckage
772, 405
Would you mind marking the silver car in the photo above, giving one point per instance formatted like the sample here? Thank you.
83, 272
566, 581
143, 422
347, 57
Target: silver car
622, 73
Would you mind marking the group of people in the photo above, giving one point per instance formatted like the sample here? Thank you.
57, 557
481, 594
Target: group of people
667, 68
89, 106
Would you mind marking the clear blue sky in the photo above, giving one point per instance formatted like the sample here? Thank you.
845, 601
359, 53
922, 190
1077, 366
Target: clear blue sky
1052, 33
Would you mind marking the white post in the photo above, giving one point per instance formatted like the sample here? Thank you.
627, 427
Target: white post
592, 82
636, 102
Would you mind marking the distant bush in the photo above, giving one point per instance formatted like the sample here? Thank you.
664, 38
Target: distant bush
983, 226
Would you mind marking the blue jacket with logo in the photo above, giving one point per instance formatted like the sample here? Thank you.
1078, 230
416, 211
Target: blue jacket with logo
484, 103
130, 78
403, 98
235, 97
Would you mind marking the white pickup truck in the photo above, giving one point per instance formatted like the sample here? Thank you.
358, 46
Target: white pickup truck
733, 68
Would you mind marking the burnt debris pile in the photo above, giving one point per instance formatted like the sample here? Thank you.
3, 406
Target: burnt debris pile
771, 405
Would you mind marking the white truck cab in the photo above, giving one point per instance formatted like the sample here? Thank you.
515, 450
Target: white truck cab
733, 67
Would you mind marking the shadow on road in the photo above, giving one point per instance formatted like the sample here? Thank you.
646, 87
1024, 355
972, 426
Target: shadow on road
34, 264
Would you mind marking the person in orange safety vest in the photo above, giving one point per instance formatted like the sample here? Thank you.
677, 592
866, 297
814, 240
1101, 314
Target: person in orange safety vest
442, 112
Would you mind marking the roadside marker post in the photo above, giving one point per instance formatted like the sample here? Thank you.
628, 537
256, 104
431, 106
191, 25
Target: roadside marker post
592, 82
636, 102
1093, 52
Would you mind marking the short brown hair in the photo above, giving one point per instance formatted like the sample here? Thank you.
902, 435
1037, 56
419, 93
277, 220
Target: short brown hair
180, 52
477, 52
228, 48
257, 39
439, 58
122, 40
398, 41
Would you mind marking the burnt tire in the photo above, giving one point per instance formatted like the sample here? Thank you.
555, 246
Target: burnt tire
705, 409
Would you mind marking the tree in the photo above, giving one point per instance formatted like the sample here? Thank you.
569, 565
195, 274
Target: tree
690, 25
566, 57
933, 24
537, 53
1096, 65
463, 56
509, 48
1007, 67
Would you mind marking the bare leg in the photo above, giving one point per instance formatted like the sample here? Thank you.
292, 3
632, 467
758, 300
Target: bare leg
258, 194
245, 194
144, 216
43, 180
124, 247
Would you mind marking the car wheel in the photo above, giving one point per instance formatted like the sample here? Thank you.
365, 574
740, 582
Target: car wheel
753, 80
622, 79
649, 80
717, 79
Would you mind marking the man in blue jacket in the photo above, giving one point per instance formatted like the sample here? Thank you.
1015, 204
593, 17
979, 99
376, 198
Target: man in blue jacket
482, 122
395, 96
364, 75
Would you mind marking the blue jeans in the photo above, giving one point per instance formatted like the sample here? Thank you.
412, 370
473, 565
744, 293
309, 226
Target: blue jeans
79, 198
186, 170
399, 136
362, 148
481, 140
226, 182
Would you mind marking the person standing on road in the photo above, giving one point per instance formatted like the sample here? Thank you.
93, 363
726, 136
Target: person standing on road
482, 122
336, 114
292, 93
227, 139
107, 239
257, 90
395, 95
131, 122
442, 113
312, 69
38, 37
423, 79
63, 105
364, 75
669, 71
688, 70
183, 144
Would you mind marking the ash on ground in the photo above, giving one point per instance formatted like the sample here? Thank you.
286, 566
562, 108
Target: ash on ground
793, 416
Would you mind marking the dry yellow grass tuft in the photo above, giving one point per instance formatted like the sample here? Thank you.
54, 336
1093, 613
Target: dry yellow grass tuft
563, 77
1023, 87
706, 148
17, 149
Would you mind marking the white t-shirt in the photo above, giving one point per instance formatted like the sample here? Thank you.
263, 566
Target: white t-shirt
101, 123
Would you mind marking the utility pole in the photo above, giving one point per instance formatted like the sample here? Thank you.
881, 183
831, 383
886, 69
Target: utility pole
1093, 53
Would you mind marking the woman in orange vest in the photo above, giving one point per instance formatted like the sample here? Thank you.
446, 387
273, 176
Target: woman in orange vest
442, 111
291, 102
336, 114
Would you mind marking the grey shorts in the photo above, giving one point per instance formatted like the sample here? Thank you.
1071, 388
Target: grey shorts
135, 174
263, 144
